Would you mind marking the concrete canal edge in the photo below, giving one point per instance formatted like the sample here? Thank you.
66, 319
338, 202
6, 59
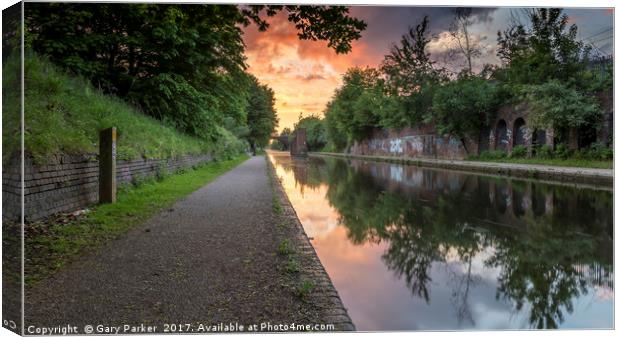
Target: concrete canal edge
324, 296
598, 177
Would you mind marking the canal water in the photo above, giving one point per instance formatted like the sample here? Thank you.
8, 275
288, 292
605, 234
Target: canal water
412, 248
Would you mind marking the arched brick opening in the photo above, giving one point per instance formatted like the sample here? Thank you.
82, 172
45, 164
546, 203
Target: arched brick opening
501, 136
540, 138
519, 132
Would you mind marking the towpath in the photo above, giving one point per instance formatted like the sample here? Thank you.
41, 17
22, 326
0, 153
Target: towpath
210, 259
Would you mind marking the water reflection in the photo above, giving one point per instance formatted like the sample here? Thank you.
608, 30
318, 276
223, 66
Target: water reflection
489, 252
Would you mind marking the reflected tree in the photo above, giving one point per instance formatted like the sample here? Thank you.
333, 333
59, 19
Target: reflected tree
450, 218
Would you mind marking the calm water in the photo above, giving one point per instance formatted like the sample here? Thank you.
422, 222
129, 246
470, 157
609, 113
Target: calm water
409, 248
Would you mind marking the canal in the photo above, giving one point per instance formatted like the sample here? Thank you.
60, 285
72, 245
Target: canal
412, 248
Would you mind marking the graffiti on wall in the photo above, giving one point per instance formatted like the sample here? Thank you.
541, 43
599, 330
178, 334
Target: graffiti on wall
396, 146
416, 145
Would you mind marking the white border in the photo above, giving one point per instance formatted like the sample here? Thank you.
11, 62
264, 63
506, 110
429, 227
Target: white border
479, 3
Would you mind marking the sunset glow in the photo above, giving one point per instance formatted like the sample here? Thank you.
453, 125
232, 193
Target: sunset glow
304, 74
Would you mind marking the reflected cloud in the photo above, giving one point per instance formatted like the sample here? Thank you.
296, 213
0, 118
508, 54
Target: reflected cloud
413, 248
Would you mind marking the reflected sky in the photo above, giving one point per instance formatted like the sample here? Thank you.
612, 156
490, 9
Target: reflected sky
419, 249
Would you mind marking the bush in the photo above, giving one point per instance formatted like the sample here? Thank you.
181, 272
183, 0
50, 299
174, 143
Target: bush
598, 151
544, 152
518, 151
562, 151
492, 155
228, 146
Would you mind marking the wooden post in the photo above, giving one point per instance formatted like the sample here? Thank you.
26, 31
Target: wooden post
107, 165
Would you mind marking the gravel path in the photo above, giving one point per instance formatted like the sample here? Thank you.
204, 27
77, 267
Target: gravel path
212, 258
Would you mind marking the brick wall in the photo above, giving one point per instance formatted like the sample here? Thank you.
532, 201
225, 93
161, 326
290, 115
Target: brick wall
421, 142
68, 183
510, 127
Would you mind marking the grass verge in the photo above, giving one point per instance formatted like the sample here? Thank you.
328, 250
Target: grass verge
64, 113
602, 164
57, 241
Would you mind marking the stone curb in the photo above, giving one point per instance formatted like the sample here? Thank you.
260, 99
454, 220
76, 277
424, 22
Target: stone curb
598, 177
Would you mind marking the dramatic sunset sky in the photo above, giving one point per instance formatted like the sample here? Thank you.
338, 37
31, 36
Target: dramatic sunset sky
304, 74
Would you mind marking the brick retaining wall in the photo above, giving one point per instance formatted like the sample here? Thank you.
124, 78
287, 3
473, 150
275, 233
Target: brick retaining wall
422, 142
68, 183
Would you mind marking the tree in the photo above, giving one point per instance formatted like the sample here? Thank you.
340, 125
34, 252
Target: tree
547, 50
411, 76
459, 30
262, 118
182, 64
556, 105
346, 112
329, 23
463, 107
316, 137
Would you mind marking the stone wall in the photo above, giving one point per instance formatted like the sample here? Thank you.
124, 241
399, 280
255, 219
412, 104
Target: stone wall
68, 183
420, 142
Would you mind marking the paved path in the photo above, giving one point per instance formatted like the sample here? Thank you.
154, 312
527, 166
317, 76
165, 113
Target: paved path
211, 258
567, 174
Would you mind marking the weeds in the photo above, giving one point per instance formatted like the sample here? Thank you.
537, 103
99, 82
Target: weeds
292, 266
285, 247
277, 207
304, 289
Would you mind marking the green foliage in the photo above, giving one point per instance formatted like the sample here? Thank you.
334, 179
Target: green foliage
64, 114
544, 65
463, 107
262, 118
490, 155
329, 23
411, 77
536, 266
518, 151
554, 104
547, 50
597, 156
181, 64
277, 207
562, 151
316, 137
599, 151
227, 145
277, 145
285, 247
348, 112
292, 266
171, 60
304, 289
544, 152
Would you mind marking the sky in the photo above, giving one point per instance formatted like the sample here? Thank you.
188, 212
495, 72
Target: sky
304, 74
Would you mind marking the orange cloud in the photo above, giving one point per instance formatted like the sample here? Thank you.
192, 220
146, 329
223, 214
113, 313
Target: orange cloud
303, 74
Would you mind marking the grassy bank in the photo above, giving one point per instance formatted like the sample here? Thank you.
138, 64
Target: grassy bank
57, 241
64, 113
602, 164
